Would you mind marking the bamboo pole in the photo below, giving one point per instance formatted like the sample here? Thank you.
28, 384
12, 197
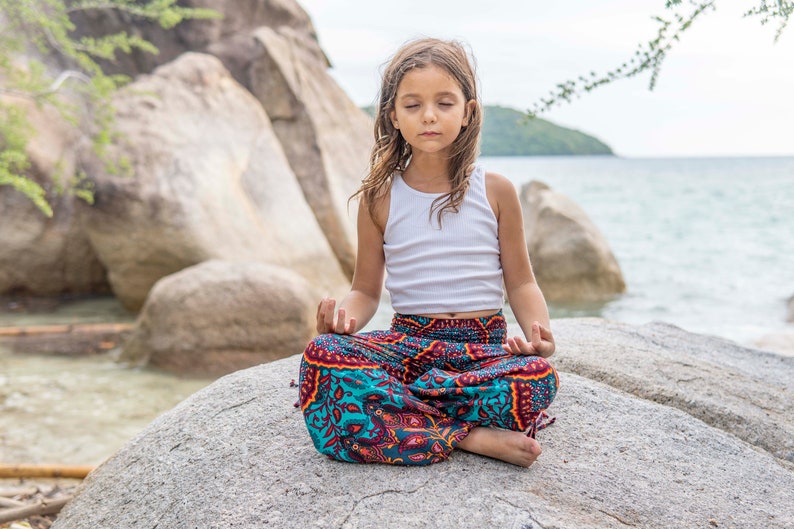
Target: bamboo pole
44, 471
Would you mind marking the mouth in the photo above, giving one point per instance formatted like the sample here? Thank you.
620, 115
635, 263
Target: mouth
430, 134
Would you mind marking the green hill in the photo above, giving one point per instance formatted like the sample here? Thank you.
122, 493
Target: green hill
506, 133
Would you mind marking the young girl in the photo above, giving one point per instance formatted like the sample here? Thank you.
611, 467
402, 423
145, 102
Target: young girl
448, 236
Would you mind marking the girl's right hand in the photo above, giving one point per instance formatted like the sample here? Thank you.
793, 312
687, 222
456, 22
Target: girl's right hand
331, 321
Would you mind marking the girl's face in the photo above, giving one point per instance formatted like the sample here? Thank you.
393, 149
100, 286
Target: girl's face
430, 109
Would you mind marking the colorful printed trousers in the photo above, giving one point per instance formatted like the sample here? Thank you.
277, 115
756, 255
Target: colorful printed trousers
408, 395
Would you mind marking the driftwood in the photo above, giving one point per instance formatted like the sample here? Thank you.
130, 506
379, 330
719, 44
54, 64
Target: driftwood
39, 508
7, 492
35, 330
6, 502
67, 339
32, 503
44, 471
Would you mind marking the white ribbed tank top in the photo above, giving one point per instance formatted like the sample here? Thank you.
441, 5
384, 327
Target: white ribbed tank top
451, 268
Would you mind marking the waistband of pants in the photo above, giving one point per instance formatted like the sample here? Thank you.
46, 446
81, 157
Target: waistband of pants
486, 330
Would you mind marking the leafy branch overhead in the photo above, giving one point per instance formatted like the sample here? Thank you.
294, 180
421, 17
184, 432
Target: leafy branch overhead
649, 56
37, 34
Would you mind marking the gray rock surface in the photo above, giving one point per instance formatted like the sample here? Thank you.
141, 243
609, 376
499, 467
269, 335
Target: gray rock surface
236, 454
210, 181
744, 391
570, 256
220, 316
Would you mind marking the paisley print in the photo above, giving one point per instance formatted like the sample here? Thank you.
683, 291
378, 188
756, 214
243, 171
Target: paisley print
408, 395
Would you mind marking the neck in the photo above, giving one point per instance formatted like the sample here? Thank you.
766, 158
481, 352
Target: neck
428, 169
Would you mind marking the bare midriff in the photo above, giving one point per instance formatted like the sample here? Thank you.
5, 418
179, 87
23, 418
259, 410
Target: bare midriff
461, 315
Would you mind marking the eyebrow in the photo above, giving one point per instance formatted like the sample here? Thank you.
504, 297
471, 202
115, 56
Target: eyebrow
439, 94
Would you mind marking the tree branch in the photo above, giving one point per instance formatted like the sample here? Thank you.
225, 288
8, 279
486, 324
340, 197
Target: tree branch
53, 88
651, 55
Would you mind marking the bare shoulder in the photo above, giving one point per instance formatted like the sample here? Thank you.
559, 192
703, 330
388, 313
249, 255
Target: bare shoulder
501, 192
499, 184
379, 210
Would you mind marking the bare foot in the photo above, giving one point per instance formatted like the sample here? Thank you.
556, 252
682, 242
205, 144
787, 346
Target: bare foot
506, 445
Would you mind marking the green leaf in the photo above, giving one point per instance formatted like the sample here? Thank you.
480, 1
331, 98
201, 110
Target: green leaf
45, 25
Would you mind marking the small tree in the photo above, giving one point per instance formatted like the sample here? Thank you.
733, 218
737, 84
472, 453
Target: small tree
649, 56
46, 28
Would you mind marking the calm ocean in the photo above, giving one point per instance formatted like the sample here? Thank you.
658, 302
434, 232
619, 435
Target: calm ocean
704, 243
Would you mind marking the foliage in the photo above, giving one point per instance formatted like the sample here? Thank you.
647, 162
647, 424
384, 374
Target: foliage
650, 55
506, 132
45, 29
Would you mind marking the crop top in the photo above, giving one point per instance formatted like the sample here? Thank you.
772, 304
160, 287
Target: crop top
454, 267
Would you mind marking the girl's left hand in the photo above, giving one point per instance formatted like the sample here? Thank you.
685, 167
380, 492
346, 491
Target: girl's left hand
540, 344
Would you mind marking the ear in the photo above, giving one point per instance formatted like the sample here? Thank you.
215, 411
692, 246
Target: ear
393, 118
471, 105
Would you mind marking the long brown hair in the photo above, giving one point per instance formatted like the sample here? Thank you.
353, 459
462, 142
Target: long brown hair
391, 152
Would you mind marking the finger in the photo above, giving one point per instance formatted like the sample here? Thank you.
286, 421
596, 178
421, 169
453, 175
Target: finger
325, 316
545, 332
330, 304
351, 326
518, 346
321, 328
340, 322
535, 338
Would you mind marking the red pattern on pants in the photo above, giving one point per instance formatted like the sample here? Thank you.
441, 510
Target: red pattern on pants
409, 395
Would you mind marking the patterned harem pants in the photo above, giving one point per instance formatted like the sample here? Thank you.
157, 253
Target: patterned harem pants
408, 395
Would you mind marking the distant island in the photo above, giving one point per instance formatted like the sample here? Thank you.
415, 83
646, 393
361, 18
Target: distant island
506, 133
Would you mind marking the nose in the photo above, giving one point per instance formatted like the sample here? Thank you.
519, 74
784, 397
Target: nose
429, 115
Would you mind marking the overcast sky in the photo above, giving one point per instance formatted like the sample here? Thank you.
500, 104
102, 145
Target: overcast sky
726, 90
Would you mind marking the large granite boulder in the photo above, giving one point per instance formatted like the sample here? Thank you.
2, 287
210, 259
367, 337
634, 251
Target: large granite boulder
326, 137
737, 389
271, 48
221, 316
237, 454
40, 255
571, 258
210, 180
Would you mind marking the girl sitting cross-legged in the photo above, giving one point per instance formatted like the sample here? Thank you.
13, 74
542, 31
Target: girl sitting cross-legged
449, 238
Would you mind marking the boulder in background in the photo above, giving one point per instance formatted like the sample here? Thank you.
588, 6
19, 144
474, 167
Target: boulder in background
40, 255
222, 316
571, 258
210, 181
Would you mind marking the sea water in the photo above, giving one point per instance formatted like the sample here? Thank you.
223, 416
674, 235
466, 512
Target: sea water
704, 243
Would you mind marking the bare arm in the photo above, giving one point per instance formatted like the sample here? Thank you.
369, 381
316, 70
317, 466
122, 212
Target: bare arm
361, 303
526, 299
